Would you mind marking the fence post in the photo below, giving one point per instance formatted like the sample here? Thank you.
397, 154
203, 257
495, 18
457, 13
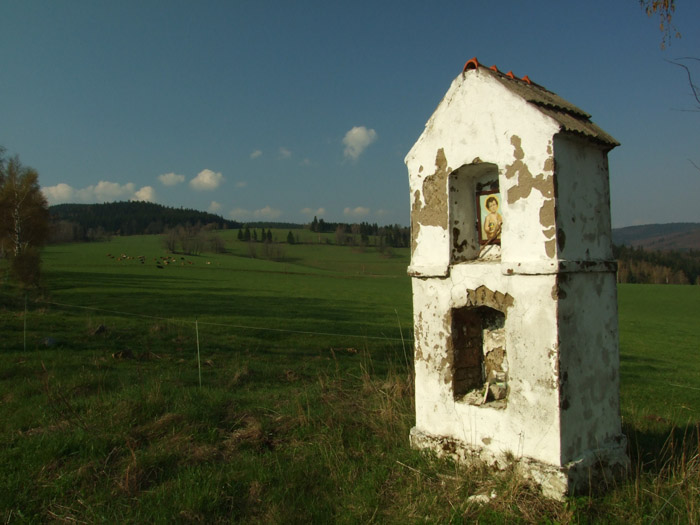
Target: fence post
199, 362
25, 321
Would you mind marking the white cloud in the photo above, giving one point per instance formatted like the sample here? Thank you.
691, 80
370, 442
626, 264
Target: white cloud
214, 207
356, 213
59, 193
171, 179
285, 153
357, 140
239, 214
310, 212
241, 184
206, 180
106, 191
257, 153
147, 194
103, 191
267, 213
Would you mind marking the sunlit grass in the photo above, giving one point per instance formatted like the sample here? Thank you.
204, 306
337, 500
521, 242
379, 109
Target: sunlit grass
306, 399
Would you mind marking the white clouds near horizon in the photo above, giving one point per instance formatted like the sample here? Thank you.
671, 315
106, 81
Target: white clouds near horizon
359, 212
147, 194
214, 207
171, 179
266, 213
285, 153
357, 140
59, 193
207, 180
310, 212
103, 191
255, 154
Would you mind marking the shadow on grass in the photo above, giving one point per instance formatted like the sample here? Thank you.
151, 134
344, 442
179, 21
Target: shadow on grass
656, 450
198, 298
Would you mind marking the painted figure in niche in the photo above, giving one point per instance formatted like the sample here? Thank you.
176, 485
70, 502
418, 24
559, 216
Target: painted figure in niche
492, 222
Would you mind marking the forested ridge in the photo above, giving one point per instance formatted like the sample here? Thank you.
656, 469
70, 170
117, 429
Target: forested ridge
637, 265
91, 222
85, 222
658, 253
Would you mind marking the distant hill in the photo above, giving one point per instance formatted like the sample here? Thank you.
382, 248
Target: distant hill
658, 253
128, 218
678, 236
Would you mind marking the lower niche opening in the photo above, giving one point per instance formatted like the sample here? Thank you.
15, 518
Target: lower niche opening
479, 364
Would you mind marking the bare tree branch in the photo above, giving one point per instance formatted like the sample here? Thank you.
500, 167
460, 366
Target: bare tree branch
693, 87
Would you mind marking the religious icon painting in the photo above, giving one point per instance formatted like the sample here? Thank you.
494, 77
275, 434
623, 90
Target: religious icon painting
490, 219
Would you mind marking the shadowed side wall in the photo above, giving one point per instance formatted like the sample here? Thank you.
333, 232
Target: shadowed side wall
589, 369
583, 200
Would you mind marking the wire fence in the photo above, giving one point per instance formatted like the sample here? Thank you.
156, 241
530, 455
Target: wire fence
223, 325
232, 328
54, 317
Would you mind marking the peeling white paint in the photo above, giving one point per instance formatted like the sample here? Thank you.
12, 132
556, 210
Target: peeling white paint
551, 280
431, 251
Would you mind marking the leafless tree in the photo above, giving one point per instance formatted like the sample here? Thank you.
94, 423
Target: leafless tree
694, 89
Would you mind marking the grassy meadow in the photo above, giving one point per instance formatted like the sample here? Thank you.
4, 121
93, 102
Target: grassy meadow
232, 388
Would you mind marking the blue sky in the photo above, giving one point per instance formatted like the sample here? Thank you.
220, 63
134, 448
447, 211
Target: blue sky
260, 110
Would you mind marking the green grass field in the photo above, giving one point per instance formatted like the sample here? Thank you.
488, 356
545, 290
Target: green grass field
660, 352
305, 401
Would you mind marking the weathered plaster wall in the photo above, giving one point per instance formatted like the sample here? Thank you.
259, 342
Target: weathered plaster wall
583, 206
562, 407
480, 121
528, 425
589, 380
551, 278
529, 195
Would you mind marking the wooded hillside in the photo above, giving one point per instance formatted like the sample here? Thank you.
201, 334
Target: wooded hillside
85, 222
658, 253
